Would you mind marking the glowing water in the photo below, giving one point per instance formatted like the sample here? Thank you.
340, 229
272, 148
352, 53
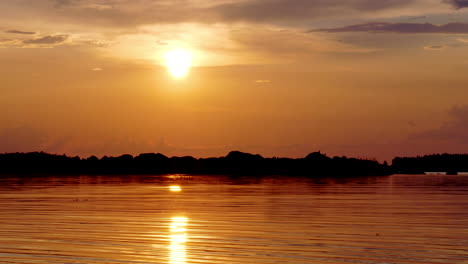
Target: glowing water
141, 219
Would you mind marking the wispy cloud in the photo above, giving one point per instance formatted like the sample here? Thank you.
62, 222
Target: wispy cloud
274, 10
130, 13
50, 40
289, 43
382, 27
20, 32
458, 4
64, 3
416, 17
98, 6
100, 43
435, 47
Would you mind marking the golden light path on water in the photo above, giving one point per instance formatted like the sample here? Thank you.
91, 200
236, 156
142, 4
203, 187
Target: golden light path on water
178, 238
177, 235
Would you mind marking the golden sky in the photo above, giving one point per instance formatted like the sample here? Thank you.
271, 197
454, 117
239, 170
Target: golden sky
363, 78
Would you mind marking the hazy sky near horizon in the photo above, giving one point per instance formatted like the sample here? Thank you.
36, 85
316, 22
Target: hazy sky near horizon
363, 78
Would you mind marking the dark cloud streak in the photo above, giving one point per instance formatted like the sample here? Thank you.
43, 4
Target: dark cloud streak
271, 10
20, 32
130, 13
458, 4
50, 40
382, 27
63, 3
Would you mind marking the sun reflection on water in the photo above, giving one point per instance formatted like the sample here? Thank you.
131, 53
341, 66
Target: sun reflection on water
178, 238
175, 188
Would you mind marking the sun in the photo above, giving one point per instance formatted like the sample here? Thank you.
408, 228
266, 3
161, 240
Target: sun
178, 62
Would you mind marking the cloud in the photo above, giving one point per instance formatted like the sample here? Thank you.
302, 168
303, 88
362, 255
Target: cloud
382, 27
268, 10
82, 4
127, 13
162, 43
458, 4
416, 17
435, 47
64, 3
97, 69
456, 129
131, 13
95, 43
10, 43
263, 81
98, 6
276, 43
50, 40
20, 32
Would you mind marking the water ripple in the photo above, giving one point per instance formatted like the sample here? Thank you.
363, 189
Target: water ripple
206, 219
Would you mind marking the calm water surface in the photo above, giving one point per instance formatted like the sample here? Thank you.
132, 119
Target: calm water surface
205, 219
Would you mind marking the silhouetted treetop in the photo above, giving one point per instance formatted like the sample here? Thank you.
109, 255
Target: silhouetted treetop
235, 163
151, 157
317, 156
237, 155
431, 163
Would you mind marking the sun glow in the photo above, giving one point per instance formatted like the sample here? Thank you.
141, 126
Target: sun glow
178, 62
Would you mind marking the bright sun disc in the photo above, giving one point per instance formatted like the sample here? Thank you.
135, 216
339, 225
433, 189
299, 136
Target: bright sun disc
178, 62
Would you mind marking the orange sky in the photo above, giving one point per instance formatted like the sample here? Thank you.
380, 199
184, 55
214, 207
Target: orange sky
363, 78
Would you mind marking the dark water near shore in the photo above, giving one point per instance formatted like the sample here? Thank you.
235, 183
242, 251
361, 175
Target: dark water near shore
395, 219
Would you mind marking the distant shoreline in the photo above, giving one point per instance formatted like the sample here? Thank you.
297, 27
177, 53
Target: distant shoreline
235, 163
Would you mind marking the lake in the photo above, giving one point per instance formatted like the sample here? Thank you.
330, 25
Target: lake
206, 219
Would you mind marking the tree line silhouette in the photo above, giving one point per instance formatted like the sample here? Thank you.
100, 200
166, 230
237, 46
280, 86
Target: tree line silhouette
235, 163
450, 163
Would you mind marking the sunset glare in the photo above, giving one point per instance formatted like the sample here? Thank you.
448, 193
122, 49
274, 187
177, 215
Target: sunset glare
279, 78
233, 131
178, 62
